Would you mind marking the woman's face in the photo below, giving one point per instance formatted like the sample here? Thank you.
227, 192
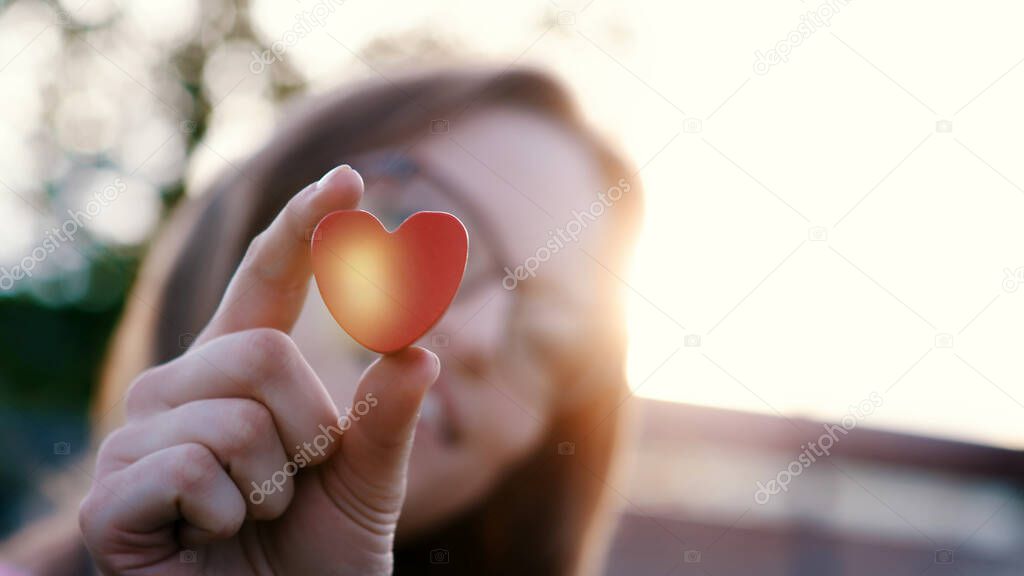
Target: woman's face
516, 180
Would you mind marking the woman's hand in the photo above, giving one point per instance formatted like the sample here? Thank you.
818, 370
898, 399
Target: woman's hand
232, 459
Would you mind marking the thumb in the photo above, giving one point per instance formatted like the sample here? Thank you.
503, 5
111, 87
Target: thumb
375, 450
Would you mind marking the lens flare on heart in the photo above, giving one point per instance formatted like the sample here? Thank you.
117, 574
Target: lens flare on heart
386, 290
367, 276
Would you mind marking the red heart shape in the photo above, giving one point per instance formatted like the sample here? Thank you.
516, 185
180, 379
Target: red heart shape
387, 289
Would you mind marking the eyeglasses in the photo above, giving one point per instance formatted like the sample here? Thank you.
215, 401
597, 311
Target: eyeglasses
397, 186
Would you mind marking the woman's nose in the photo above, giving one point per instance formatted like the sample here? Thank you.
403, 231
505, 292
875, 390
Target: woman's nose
472, 330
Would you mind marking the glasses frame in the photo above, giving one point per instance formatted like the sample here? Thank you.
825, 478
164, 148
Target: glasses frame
403, 168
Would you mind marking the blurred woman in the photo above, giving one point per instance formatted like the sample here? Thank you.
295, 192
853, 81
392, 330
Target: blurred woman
488, 455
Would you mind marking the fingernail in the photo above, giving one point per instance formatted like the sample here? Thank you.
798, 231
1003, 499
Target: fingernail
437, 362
334, 171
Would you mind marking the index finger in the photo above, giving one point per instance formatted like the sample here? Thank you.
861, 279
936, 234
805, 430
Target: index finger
270, 285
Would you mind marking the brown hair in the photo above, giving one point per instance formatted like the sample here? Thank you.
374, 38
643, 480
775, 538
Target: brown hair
542, 515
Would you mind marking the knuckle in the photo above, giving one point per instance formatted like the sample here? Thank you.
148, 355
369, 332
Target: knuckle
374, 506
109, 445
269, 352
88, 514
275, 504
194, 469
228, 525
249, 424
253, 249
108, 456
295, 221
142, 391
252, 263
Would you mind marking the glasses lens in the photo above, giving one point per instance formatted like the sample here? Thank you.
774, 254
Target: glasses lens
394, 199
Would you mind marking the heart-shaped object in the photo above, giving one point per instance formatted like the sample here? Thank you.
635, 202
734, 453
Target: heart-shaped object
387, 289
